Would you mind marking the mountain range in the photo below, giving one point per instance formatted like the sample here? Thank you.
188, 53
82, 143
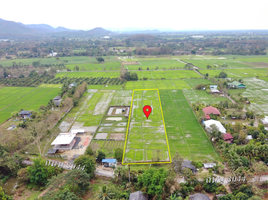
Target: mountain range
13, 29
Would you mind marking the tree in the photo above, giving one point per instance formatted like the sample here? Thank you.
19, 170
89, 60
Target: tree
118, 154
39, 172
222, 75
227, 197
152, 181
61, 194
241, 196
76, 181
23, 175
238, 127
88, 162
89, 151
133, 76
174, 197
101, 155
105, 193
100, 59
177, 161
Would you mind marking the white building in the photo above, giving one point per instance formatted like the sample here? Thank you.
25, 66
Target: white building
53, 54
64, 141
218, 124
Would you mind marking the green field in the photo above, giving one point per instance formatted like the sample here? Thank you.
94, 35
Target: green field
167, 64
88, 74
238, 73
116, 65
16, 98
185, 135
194, 82
257, 93
53, 60
232, 61
157, 84
167, 74
146, 139
201, 96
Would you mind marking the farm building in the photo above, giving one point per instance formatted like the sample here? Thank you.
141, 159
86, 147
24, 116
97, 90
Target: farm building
249, 137
218, 124
228, 137
187, 164
64, 141
57, 100
236, 84
265, 120
52, 54
25, 114
213, 87
211, 110
199, 196
137, 196
76, 131
209, 165
72, 85
109, 162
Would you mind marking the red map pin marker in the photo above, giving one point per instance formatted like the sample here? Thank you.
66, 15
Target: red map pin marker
147, 110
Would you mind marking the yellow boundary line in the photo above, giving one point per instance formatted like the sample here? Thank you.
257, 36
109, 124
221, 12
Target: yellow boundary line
140, 163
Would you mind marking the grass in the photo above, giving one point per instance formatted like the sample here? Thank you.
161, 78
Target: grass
53, 60
257, 93
95, 108
88, 74
146, 140
157, 84
161, 64
231, 60
185, 135
167, 74
202, 96
16, 98
194, 82
97, 66
107, 147
238, 73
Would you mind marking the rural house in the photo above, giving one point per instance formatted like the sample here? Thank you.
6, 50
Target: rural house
25, 114
199, 196
187, 164
218, 124
57, 100
227, 137
137, 196
211, 110
64, 141
109, 162
209, 165
214, 89
72, 85
236, 85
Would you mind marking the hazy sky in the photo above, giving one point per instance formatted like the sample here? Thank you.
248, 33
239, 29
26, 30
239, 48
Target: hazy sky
176, 14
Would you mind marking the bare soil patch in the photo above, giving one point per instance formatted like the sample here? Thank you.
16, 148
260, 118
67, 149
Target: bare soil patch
257, 64
101, 136
117, 136
130, 63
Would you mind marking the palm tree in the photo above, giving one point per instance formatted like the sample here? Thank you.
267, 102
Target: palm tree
174, 197
105, 193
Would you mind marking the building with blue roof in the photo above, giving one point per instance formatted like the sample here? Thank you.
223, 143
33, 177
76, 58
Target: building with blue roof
109, 162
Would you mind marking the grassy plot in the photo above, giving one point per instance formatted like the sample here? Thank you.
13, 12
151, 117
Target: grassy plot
202, 61
157, 84
167, 74
96, 107
17, 98
257, 93
151, 65
96, 66
202, 96
185, 134
194, 82
146, 139
253, 72
88, 74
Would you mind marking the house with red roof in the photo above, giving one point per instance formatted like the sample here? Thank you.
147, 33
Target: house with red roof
227, 137
211, 110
